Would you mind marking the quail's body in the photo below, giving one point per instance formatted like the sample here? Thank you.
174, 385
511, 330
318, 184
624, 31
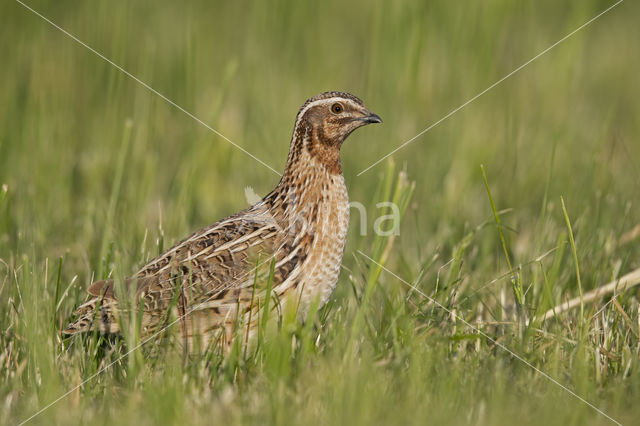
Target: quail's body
219, 274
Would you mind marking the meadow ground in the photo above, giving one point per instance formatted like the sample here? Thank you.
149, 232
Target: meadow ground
98, 174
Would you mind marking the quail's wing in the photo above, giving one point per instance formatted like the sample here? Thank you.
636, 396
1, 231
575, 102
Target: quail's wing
209, 264
213, 270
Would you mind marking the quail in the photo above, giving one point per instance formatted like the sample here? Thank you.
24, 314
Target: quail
290, 243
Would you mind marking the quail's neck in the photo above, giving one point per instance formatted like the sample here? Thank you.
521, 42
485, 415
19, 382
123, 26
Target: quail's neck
312, 150
312, 176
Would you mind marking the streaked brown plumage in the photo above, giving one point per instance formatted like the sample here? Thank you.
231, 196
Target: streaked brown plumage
218, 273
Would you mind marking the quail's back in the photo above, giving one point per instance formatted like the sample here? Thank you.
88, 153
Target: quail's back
219, 274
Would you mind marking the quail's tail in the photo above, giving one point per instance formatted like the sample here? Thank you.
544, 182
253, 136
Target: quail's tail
96, 312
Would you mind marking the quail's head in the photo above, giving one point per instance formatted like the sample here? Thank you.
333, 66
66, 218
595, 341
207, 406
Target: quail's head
332, 116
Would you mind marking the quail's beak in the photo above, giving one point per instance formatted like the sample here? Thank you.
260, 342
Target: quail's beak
370, 118
373, 118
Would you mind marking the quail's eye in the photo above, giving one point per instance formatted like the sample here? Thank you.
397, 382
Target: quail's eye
336, 108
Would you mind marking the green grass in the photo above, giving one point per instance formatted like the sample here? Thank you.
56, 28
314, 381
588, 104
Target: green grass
101, 175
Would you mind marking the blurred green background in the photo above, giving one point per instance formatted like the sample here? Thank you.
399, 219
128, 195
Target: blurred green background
103, 173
